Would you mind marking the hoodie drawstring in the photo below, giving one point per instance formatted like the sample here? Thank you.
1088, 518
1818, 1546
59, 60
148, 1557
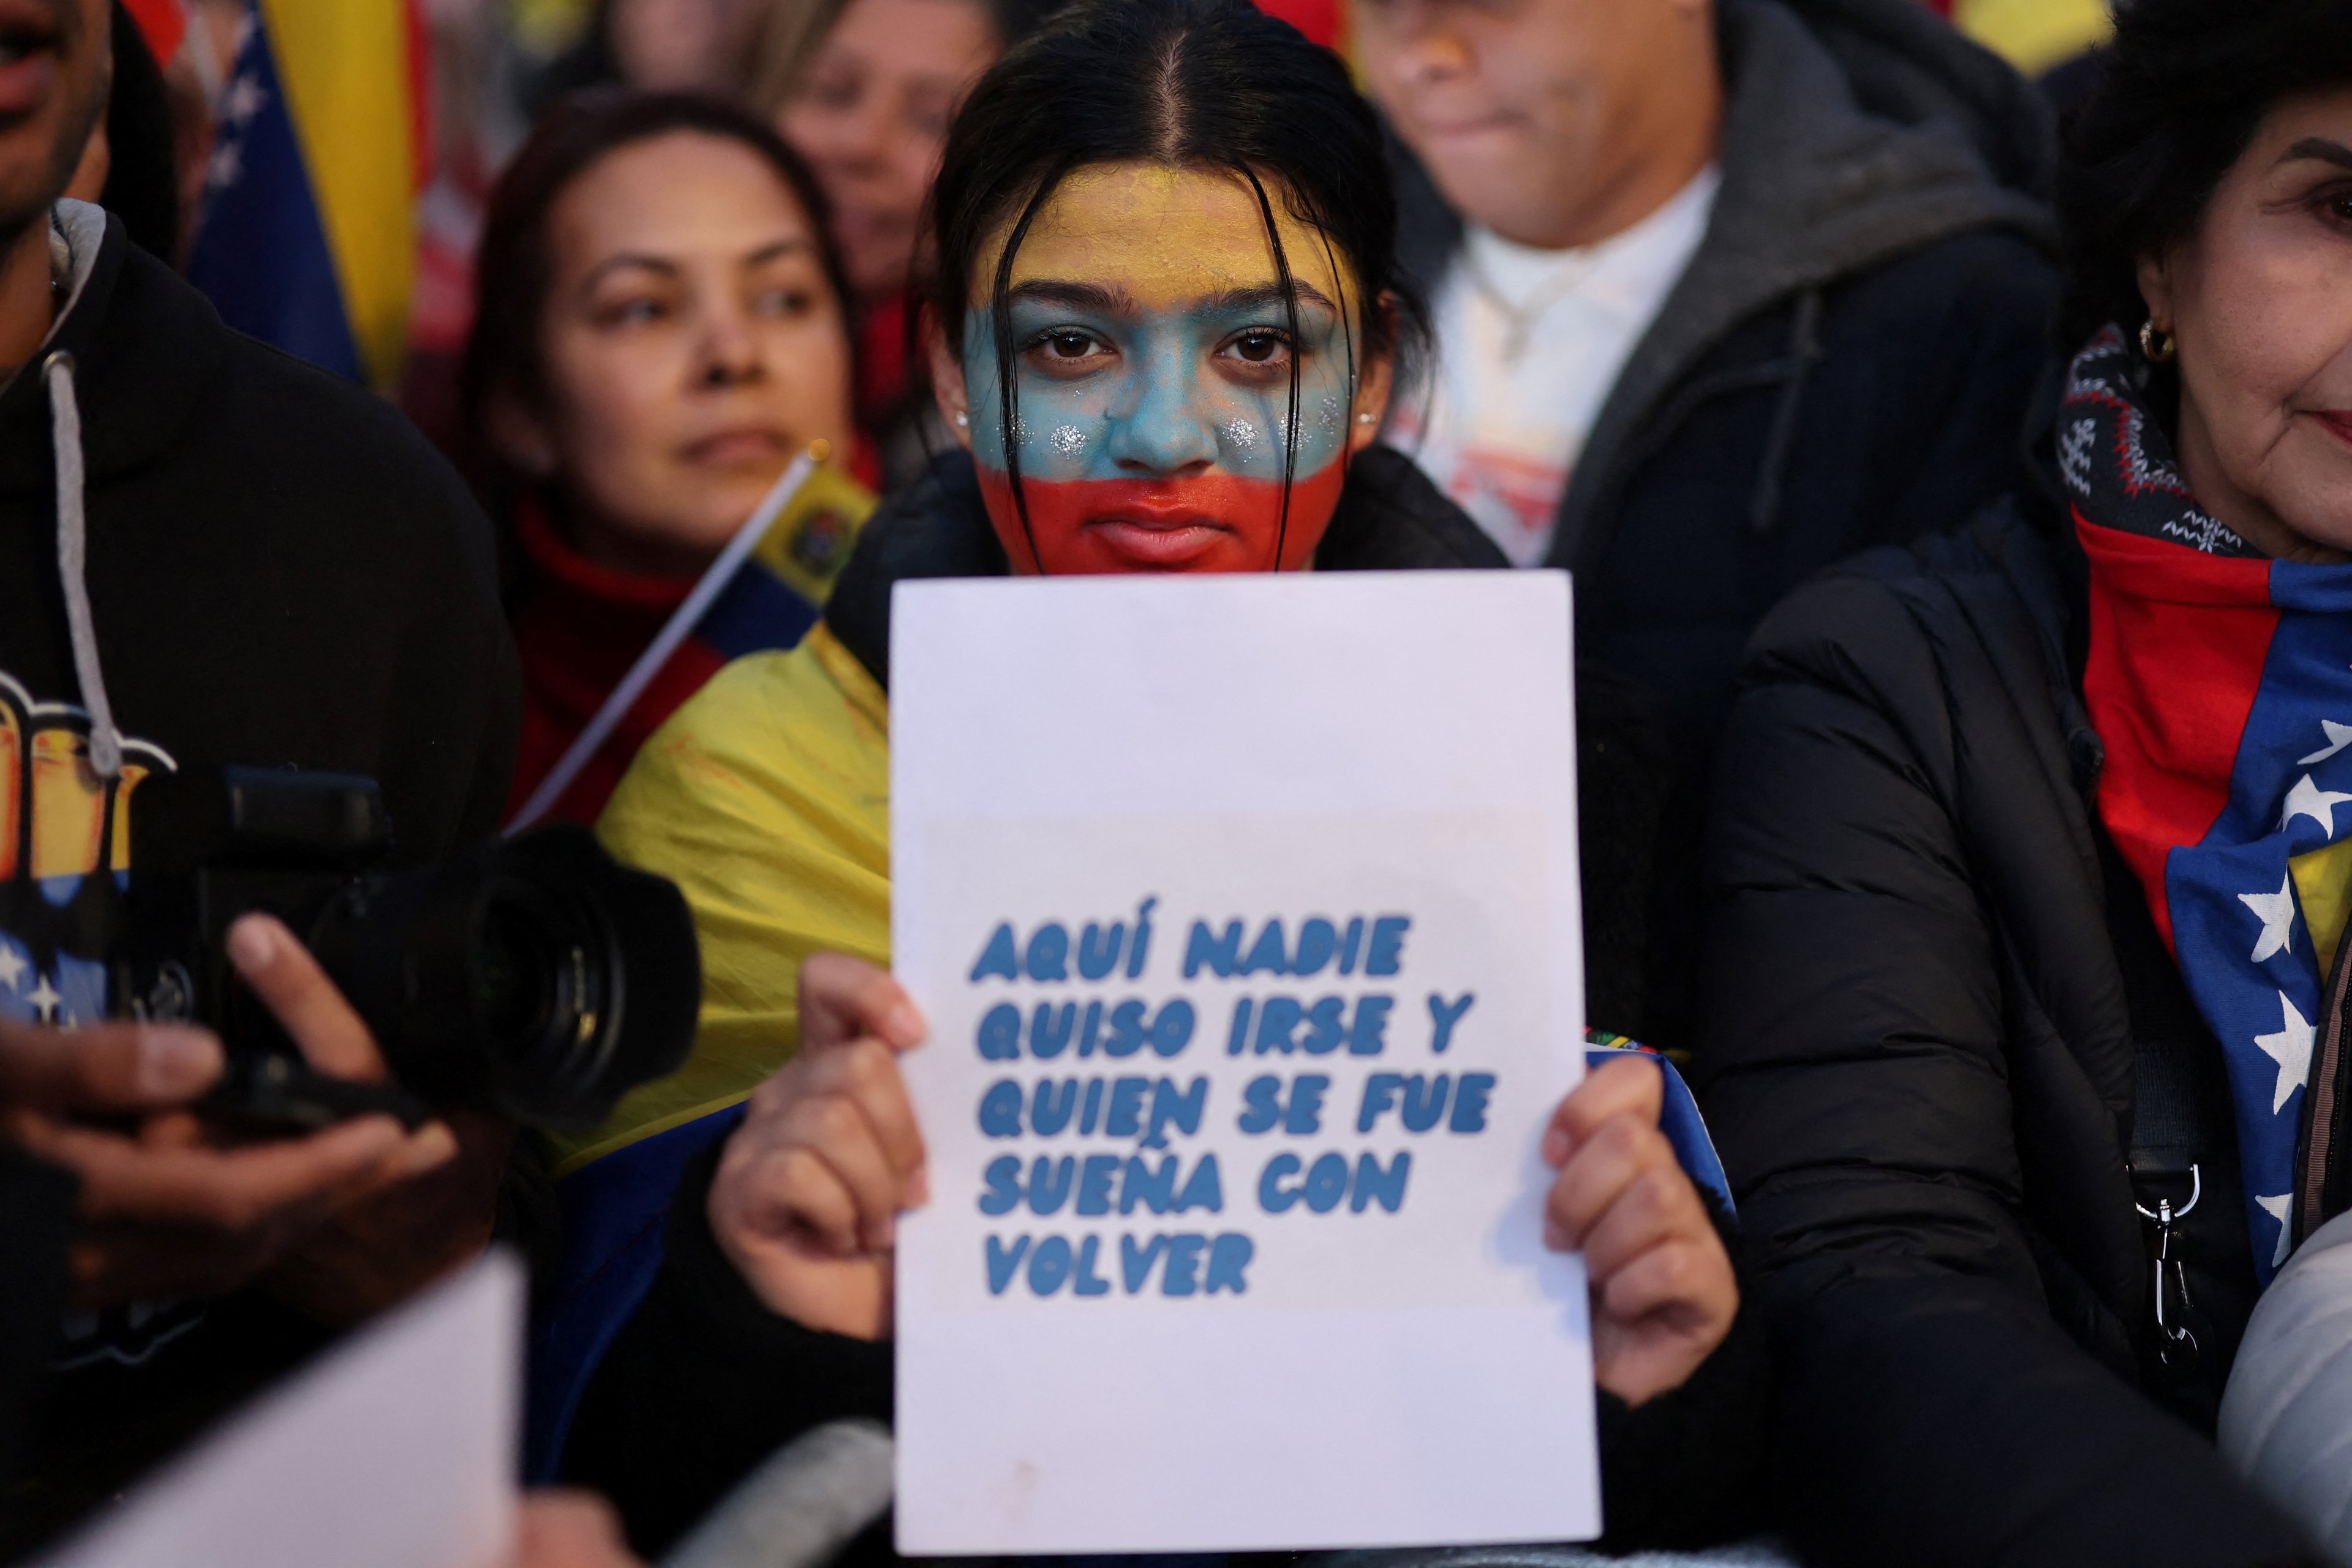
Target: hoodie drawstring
1804, 352
73, 565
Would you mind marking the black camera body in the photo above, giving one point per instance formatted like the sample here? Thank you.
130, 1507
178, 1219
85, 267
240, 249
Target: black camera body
536, 977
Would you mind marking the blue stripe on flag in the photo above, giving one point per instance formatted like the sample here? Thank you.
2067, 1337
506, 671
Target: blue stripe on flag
756, 612
260, 252
614, 1211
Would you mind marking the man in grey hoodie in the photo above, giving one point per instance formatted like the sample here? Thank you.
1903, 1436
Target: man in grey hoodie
1724, 291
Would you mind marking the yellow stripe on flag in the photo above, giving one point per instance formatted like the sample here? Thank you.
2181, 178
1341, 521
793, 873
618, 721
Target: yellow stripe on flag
344, 68
2322, 885
2035, 35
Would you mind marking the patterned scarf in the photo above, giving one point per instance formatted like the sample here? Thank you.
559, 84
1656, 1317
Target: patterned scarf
2220, 683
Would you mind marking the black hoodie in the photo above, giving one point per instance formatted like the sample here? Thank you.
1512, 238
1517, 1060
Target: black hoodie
1846, 362
279, 571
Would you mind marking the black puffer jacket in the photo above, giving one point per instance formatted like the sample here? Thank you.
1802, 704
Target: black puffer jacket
1932, 1001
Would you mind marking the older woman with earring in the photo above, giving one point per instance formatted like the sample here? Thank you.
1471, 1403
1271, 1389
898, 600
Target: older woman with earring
2025, 992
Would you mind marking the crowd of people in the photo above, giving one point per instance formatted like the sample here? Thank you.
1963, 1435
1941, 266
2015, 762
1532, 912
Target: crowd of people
1959, 496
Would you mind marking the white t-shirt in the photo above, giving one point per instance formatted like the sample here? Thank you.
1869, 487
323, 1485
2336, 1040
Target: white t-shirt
1528, 345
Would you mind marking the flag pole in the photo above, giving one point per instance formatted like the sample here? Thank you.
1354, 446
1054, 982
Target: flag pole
675, 631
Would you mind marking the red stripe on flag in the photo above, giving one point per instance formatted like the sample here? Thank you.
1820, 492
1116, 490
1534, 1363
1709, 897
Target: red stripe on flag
162, 23
420, 94
2178, 639
1319, 19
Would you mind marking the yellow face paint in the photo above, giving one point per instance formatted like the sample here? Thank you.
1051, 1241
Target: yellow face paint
1171, 236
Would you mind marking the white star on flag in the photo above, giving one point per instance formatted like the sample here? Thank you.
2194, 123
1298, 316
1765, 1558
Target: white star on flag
12, 969
2276, 912
243, 100
2290, 1048
45, 1000
2278, 1208
224, 167
2307, 799
2339, 737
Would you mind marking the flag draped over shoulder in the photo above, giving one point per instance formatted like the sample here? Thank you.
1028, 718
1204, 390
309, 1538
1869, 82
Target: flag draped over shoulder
307, 239
2220, 684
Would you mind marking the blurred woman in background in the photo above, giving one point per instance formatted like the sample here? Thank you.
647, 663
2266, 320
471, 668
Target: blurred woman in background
663, 327
865, 90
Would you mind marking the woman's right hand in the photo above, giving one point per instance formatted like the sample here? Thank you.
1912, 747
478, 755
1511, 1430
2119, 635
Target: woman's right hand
807, 1195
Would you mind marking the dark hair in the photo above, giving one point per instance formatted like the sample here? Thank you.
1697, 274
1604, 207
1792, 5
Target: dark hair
513, 271
2179, 95
1202, 84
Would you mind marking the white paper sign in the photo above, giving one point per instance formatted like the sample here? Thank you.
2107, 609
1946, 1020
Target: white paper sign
396, 1450
1245, 913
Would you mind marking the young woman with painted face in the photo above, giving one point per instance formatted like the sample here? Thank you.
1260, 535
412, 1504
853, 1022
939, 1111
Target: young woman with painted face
2026, 993
1163, 325
663, 327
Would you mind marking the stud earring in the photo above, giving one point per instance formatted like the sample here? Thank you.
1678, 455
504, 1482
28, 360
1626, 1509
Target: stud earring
962, 417
1364, 419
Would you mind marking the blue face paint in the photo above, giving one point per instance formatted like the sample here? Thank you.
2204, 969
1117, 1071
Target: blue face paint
1113, 390
1153, 437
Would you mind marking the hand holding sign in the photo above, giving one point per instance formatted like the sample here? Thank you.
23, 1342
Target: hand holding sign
806, 1197
807, 1192
1662, 1292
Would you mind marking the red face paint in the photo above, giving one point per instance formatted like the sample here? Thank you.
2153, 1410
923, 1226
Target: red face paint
1211, 523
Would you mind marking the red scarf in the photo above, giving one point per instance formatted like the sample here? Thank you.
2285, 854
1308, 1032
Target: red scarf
579, 626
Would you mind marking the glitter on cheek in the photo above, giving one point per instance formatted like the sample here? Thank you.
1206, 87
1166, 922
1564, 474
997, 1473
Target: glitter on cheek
1241, 435
1069, 440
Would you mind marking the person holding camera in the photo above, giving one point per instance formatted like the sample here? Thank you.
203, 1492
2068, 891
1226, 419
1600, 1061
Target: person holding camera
210, 554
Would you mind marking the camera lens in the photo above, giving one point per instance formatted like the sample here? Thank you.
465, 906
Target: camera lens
539, 983
521, 982
537, 977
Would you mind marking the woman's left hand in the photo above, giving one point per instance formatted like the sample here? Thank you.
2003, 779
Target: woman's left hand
1662, 1291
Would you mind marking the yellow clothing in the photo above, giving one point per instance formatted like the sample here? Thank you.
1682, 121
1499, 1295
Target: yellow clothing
767, 799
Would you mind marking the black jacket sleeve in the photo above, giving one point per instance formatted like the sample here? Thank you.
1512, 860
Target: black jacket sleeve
1687, 1469
705, 1382
1868, 1070
36, 1225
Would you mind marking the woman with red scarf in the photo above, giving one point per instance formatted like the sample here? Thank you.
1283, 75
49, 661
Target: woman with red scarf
2026, 998
663, 327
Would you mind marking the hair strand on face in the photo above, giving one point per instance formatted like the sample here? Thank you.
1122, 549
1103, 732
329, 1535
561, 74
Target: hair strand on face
1008, 366
1290, 316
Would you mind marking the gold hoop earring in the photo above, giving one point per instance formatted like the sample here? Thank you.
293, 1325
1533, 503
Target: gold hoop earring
2159, 347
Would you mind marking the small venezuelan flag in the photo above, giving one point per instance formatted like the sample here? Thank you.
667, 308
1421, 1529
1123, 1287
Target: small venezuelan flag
307, 237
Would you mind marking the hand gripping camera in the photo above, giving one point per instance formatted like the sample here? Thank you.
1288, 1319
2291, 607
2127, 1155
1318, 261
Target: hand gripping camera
537, 977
